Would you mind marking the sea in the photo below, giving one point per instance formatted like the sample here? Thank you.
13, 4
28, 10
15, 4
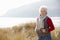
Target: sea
7, 22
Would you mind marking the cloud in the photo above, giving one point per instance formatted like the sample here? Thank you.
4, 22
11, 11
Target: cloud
6, 5
53, 4
15, 7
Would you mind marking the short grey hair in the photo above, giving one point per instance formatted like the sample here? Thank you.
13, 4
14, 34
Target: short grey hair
43, 6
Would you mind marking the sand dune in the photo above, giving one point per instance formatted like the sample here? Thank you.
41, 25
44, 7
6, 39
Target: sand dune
24, 32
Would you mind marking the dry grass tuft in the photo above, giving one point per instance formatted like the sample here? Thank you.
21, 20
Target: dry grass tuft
24, 32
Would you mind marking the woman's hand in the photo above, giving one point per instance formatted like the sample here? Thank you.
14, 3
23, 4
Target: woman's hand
44, 31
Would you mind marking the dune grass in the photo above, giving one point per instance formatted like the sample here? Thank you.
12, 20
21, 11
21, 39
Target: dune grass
24, 32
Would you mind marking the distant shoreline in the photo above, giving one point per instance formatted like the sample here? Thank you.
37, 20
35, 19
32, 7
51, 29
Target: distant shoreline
11, 21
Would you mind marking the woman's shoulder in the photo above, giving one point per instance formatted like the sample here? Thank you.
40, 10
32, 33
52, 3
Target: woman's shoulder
49, 19
37, 18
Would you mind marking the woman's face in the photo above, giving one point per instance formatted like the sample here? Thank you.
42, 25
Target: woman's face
43, 12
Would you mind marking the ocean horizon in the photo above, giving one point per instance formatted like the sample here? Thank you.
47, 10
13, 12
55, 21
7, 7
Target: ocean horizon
6, 22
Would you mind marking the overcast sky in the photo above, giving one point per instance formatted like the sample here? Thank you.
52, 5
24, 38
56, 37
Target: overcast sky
8, 7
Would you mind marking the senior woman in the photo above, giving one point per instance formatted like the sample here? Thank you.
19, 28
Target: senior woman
44, 25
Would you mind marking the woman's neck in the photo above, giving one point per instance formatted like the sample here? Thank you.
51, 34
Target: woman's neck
42, 16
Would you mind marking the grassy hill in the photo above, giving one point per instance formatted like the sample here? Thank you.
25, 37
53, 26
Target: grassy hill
24, 32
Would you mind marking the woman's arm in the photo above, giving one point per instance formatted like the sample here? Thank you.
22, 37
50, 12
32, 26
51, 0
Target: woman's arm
36, 24
50, 23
